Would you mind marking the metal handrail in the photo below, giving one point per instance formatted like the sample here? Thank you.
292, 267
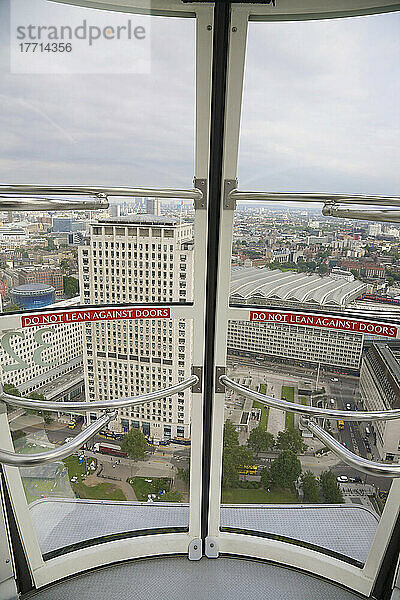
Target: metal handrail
361, 464
35, 190
312, 411
13, 203
83, 407
31, 460
239, 196
385, 215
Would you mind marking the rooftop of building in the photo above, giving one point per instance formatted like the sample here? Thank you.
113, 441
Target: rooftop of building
390, 355
138, 219
250, 284
33, 288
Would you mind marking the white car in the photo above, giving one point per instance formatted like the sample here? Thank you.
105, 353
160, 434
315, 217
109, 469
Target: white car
342, 478
335, 379
348, 406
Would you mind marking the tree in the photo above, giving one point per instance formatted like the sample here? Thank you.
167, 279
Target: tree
184, 473
266, 478
310, 487
47, 418
234, 456
291, 439
12, 308
231, 436
330, 488
64, 264
134, 444
37, 396
260, 440
285, 469
9, 388
170, 497
71, 286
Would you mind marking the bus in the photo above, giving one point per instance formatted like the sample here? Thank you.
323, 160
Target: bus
248, 470
181, 441
112, 449
340, 424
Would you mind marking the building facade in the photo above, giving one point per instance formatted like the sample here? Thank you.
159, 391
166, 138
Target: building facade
45, 354
42, 274
296, 343
380, 388
139, 259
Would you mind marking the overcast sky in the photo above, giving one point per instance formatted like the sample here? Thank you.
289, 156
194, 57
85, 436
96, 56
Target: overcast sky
321, 112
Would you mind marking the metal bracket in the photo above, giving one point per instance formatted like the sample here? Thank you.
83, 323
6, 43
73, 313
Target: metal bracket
201, 184
198, 387
219, 387
195, 549
229, 186
211, 547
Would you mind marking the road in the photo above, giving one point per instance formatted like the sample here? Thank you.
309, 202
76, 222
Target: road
347, 392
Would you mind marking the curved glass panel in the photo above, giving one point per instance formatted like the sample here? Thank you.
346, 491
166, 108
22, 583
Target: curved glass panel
96, 99
322, 320
322, 329
114, 108
321, 109
133, 476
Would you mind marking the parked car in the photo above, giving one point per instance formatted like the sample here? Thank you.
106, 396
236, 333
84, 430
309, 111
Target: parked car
342, 478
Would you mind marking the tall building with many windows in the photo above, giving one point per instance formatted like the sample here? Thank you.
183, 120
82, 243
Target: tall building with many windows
142, 258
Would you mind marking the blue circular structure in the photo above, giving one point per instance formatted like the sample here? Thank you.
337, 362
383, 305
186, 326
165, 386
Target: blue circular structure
33, 295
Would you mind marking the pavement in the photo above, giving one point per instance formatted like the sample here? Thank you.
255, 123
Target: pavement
126, 488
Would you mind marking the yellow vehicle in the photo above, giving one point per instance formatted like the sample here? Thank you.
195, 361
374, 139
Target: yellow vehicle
248, 470
340, 424
71, 425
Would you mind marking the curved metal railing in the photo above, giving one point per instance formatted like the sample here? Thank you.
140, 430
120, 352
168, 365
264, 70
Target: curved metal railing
311, 411
32, 460
29, 460
82, 407
362, 464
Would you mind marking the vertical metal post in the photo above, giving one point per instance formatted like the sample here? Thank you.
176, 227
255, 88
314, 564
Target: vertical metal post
204, 33
234, 37
217, 127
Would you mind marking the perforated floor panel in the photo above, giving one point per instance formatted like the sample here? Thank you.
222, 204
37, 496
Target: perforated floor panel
181, 579
346, 529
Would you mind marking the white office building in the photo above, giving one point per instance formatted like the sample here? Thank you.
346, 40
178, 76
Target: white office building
139, 259
45, 354
380, 388
292, 342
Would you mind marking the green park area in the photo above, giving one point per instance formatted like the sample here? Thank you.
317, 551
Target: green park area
143, 486
258, 496
102, 491
264, 409
58, 484
75, 469
288, 395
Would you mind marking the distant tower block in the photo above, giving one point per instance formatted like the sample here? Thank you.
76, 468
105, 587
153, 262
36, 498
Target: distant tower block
153, 206
115, 210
